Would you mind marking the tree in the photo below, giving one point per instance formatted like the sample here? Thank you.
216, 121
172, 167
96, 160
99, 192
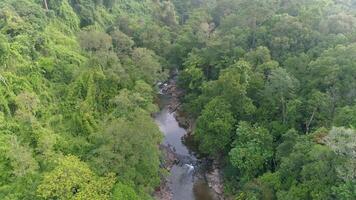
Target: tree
68, 15
124, 192
288, 36
280, 90
333, 73
194, 34
339, 23
168, 13
252, 150
214, 127
307, 172
346, 116
128, 102
318, 108
258, 56
147, 66
129, 148
21, 158
156, 38
121, 42
250, 14
232, 86
343, 142
4, 49
191, 79
86, 12
95, 41
73, 179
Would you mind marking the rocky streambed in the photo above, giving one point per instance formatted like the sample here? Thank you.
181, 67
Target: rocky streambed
190, 176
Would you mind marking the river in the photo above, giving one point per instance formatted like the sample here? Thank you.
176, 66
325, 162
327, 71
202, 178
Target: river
186, 180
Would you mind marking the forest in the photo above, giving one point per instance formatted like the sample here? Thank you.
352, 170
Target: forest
270, 84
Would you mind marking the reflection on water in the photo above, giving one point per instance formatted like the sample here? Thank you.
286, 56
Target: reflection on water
181, 183
183, 179
202, 191
172, 131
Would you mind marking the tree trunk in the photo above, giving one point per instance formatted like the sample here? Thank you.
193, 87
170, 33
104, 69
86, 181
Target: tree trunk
284, 110
310, 121
45, 4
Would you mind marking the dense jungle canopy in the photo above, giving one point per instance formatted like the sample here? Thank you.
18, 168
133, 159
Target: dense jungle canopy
271, 84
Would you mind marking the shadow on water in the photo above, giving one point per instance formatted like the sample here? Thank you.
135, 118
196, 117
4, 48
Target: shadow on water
186, 177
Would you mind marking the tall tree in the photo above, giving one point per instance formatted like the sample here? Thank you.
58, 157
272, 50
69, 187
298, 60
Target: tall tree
215, 126
280, 90
252, 150
73, 179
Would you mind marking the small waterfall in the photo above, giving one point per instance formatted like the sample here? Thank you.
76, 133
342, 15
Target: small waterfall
186, 181
162, 88
190, 168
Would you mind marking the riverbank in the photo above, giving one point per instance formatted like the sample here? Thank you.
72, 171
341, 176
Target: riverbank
212, 176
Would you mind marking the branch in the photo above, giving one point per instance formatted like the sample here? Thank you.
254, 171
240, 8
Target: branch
45, 4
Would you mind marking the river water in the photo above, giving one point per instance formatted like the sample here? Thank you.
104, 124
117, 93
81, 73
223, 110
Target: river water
186, 179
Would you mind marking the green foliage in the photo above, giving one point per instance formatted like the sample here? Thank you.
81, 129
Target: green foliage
73, 179
67, 75
121, 42
95, 41
232, 87
137, 159
19, 169
66, 13
335, 69
280, 90
215, 126
124, 192
146, 65
287, 67
346, 116
342, 142
76, 81
252, 150
191, 79
4, 49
